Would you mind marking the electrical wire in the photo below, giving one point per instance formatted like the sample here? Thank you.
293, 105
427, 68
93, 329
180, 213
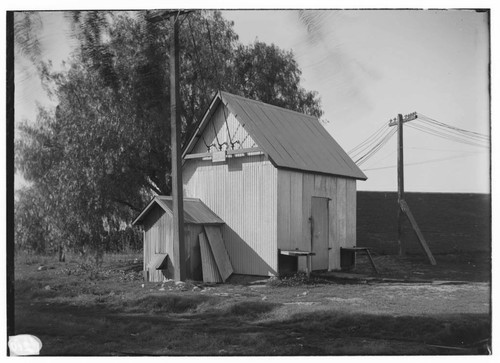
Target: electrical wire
419, 162
453, 132
471, 133
368, 139
371, 144
376, 148
445, 150
445, 136
429, 126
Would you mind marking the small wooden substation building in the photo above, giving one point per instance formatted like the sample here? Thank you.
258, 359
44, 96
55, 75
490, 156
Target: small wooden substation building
280, 188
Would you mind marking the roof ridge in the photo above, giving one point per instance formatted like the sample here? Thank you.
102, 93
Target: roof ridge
269, 105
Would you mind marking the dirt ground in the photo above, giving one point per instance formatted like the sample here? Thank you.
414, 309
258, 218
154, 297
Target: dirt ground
472, 267
410, 308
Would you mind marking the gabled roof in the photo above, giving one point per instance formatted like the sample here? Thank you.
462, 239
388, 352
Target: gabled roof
290, 139
195, 211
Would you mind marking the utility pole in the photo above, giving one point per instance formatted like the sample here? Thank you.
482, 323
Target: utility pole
175, 134
401, 183
179, 260
404, 209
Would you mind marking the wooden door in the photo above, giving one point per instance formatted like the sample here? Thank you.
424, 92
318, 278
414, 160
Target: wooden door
319, 233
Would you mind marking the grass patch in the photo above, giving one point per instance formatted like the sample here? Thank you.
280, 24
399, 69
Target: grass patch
463, 330
170, 303
251, 309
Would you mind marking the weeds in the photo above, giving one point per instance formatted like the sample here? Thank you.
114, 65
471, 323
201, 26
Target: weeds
168, 303
95, 273
296, 279
251, 309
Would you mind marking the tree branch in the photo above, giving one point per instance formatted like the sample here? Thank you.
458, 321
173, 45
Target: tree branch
153, 187
131, 206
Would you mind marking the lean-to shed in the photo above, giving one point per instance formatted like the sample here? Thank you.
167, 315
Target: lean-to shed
157, 221
281, 184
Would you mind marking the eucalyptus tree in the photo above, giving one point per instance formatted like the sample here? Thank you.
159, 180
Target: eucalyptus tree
98, 156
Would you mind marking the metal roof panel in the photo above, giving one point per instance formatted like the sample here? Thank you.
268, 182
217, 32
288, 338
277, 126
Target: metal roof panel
291, 139
195, 211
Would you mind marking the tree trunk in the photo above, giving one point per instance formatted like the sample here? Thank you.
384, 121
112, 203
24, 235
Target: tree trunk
62, 255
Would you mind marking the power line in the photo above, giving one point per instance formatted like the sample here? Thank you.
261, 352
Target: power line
446, 136
445, 150
385, 157
477, 134
453, 132
371, 142
368, 139
444, 133
419, 162
375, 142
376, 148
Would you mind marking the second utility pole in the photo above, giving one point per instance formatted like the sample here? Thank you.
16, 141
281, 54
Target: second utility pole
401, 183
403, 206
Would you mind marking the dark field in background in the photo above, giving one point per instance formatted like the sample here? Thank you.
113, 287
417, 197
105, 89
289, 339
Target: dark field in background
451, 223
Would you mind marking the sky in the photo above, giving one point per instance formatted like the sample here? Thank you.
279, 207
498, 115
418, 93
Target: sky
370, 65
367, 66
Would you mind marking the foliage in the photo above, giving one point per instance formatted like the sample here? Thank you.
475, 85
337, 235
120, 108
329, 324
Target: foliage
271, 75
30, 232
97, 158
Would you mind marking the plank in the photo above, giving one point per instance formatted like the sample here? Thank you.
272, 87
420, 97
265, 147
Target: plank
342, 213
320, 219
307, 192
320, 186
351, 212
208, 265
333, 245
283, 210
296, 212
221, 257
406, 209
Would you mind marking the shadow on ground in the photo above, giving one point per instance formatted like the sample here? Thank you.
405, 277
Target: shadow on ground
201, 325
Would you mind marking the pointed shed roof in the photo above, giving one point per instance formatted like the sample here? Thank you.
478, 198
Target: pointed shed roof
195, 211
292, 140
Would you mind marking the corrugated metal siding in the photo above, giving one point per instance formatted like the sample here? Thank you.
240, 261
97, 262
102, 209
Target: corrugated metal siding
217, 126
291, 139
242, 192
295, 190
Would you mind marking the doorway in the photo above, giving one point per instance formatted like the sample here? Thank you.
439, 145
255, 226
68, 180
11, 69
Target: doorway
319, 232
